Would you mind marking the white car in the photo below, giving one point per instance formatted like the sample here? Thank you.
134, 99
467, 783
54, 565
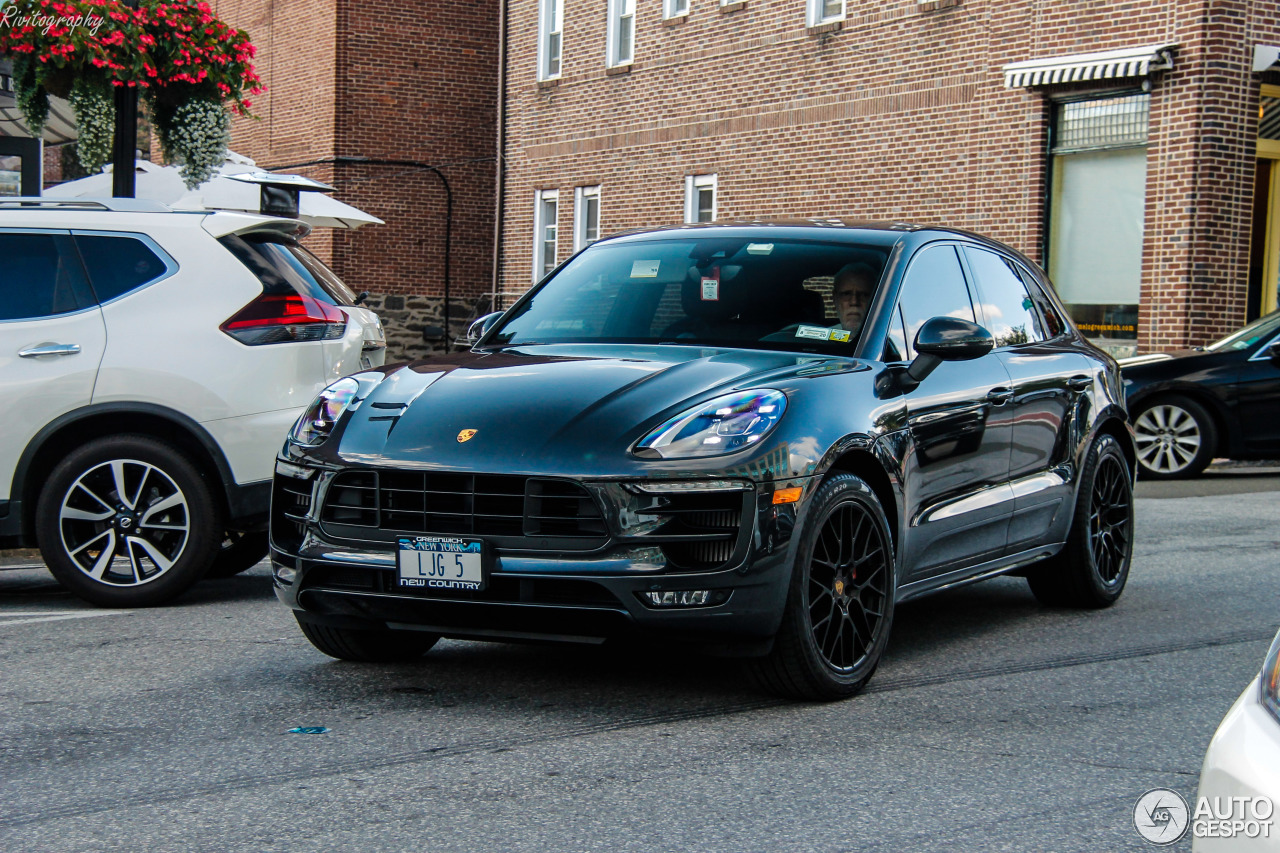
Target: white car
1240, 780
152, 362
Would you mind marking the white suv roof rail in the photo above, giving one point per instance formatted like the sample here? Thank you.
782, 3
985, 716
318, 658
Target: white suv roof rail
121, 205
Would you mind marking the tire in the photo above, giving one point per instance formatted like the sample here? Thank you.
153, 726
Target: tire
1176, 438
370, 645
844, 575
1092, 568
127, 521
239, 552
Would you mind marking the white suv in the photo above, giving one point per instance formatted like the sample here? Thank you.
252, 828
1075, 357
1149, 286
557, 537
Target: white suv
153, 361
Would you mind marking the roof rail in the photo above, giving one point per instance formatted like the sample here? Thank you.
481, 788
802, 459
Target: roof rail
121, 205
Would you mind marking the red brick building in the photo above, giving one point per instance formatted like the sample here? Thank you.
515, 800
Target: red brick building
401, 80
1133, 149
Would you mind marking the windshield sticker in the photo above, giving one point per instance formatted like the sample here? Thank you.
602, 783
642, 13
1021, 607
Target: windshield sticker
841, 335
759, 248
644, 269
710, 290
818, 333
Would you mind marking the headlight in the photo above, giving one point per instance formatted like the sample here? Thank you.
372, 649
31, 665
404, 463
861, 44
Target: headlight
1270, 679
317, 421
723, 425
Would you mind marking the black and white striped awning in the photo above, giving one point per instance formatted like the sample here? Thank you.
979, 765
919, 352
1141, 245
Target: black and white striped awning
1080, 67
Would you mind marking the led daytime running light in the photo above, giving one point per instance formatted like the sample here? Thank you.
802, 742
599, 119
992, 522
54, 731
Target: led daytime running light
320, 417
726, 424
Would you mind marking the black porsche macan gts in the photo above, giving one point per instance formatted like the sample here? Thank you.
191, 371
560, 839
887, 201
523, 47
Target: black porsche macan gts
673, 435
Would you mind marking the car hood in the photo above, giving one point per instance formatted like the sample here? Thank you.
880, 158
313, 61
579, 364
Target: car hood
566, 408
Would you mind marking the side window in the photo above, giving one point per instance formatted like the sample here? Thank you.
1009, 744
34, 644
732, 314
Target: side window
933, 287
117, 265
41, 277
895, 345
1053, 322
1010, 312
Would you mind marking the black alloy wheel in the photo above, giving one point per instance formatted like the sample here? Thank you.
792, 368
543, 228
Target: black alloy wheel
126, 521
1091, 570
840, 605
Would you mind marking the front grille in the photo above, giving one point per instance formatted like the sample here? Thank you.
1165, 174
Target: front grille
290, 503
707, 524
447, 504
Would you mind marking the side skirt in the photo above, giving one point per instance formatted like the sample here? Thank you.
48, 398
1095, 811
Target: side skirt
973, 574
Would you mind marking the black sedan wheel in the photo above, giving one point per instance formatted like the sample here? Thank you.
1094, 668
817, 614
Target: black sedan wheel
239, 552
1092, 568
126, 521
1175, 437
840, 604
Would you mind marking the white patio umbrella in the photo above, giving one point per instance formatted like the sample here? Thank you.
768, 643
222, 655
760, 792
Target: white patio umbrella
164, 184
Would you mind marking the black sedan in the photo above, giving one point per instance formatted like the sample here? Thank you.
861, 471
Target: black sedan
1219, 400
750, 439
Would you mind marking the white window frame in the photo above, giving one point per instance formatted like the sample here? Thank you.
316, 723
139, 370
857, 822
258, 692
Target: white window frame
618, 12
581, 196
539, 233
550, 34
817, 16
694, 183
675, 9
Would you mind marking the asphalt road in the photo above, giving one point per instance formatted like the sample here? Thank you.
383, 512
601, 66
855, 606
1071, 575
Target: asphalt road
993, 724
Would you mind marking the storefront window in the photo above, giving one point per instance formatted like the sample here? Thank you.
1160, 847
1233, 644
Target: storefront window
1097, 204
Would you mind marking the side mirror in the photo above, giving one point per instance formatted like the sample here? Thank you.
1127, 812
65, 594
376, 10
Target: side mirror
946, 339
479, 327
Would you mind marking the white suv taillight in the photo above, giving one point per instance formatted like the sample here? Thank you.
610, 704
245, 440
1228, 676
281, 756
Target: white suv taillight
278, 319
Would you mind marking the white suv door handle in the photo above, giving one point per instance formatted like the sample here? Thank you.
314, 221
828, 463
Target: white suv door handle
49, 349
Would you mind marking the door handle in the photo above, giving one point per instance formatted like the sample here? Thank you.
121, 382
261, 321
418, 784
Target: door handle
49, 349
1079, 383
999, 396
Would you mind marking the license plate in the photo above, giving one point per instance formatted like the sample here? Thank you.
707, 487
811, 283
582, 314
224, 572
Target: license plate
441, 562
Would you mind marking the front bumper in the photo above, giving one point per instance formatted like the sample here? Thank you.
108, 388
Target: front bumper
539, 589
1243, 760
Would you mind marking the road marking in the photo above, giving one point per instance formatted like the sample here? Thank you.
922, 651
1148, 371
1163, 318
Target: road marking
47, 616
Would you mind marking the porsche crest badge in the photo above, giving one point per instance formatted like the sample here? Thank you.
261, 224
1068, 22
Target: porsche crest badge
466, 435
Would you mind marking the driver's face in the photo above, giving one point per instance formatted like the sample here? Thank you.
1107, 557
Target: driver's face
852, 295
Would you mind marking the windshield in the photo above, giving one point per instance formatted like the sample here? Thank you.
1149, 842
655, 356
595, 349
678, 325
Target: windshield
764, 294
1263, 327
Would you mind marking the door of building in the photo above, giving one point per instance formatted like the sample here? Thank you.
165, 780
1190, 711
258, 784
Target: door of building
1264, 251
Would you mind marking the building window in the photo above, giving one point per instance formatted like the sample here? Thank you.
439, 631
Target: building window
675, 8
550, 28
1097, 205
622, 19
586, 216
545, 213
825, 11
700, 198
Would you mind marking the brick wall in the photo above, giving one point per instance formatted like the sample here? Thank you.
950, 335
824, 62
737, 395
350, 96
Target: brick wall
899, 113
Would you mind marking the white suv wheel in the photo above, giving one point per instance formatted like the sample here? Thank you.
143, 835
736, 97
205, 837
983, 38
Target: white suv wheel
127, 521
124, 522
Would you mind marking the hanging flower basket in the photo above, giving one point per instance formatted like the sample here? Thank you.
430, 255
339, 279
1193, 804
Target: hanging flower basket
193, 71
